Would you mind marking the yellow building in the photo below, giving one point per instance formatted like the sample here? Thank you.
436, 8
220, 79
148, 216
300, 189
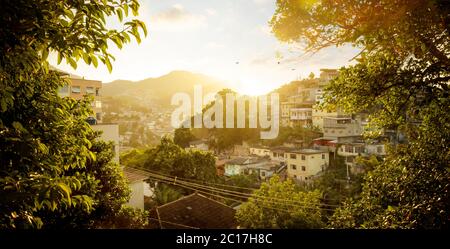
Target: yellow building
79, 87
303, 165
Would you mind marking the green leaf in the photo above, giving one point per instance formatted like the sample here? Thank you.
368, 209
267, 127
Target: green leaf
94, 60
59, 58
44, 54
72, 62
18, 126
120, 14
125, 8
87, 58
43, 148
108, 65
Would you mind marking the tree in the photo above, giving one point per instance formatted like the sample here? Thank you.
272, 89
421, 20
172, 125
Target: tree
165, 194
127, 218
182, 137
167, 158
104, 182
265, 209
244, 181
45, 142
401, 77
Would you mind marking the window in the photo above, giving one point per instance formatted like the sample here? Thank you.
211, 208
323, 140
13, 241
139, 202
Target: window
98, 116
263, 173
349, 149
295, 177
274, 154
97, 91
303, 157
76, 89
90, 90
293, 166
303, 168
98, 104
306, 178
293, 156
323, 156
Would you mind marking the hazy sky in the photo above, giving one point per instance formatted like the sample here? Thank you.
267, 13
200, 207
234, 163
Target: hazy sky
210, 37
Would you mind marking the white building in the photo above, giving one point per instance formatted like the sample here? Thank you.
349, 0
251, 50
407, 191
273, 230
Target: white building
110, 133
136, 183
260, 151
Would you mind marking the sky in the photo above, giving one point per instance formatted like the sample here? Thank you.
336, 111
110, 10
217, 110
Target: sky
227, 39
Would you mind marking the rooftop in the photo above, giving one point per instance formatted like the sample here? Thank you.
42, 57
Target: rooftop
195, 211
134, 175
281, 149
310, 151
246, 160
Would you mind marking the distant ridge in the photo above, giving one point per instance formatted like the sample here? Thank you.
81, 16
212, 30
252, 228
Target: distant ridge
161, 89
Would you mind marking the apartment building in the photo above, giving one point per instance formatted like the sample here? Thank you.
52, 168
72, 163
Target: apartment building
334, 127
303, 165
302, 107
285, 114
317, 114
301, 116
77, 88
80, 87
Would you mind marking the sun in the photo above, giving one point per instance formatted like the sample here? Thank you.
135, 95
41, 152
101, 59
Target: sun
250, 86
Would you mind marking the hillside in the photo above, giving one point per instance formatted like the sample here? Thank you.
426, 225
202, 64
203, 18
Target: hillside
292, 87
161, 89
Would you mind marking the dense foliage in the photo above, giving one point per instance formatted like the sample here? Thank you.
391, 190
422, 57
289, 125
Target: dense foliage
278, 204
48, 158
167, 158
402, 77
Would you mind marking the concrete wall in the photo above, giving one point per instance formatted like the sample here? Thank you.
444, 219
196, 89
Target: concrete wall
137, 195
110, 132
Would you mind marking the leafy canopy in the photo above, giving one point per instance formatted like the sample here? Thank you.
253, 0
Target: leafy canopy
402, 78
47, 149
266, 208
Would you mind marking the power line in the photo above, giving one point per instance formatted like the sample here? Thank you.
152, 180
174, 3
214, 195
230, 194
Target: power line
216, 184
227, 198
242, 195
230, 192
193, 180
218, 191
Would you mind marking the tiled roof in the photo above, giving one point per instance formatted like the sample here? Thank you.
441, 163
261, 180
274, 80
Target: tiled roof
196, 211
134, 175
